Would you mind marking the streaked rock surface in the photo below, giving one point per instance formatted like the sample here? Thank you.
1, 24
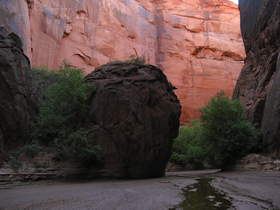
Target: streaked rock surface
198, 42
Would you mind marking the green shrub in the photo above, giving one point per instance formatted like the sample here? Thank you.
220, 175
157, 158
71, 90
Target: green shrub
136, 60
188, 146
77, 147
228, 135
14, 161
221, 136
132, 60
62, 117
41, 80
64, 108
30, 150
44, 73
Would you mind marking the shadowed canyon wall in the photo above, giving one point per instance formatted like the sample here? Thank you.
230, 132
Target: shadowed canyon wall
197, 43
16, 104
258, 87
14, 17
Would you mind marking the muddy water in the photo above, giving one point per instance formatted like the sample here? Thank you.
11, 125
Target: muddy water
202, 195
238, 191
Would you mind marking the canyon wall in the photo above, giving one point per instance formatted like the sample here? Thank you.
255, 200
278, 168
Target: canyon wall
258, 87
16, 104
201, 49
197, 43
14, 17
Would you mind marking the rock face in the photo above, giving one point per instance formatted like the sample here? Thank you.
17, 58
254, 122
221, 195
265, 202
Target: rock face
14, 17
200, 49
135, 116
258, 162
197, 43
15, 92
259, 83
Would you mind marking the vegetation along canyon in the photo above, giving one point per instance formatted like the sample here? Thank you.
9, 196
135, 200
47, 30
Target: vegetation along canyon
140, 104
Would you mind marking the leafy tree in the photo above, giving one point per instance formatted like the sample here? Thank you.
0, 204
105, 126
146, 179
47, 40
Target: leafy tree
220, 137
228, 135
188, 146
62, 118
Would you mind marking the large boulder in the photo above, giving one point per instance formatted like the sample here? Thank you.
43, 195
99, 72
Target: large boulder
259, 82
135, 116
15, 92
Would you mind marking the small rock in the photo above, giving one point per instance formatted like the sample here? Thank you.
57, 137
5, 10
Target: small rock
277, 162
253, 166
211, 197
268, 167
164, 181
34, 178
266, 162
218, 204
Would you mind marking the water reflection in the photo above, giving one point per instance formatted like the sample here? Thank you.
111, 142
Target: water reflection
202, 196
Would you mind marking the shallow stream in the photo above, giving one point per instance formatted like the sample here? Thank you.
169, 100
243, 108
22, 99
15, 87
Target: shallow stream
202, 196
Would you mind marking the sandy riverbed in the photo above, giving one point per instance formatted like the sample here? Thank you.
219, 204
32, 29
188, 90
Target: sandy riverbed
248, 191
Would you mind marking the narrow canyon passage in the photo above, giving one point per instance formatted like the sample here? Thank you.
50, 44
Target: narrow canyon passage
135, 95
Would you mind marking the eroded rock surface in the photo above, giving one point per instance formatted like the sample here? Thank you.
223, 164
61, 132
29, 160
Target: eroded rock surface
14, 17
258, 85
258, 162
15, 92
135, 117
201, 50
197, 43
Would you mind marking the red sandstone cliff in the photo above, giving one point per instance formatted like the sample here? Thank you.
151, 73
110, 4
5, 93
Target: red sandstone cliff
197, 42
201, 49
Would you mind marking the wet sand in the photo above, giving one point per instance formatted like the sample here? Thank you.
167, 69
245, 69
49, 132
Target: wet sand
248, 191
251, 190
162, 193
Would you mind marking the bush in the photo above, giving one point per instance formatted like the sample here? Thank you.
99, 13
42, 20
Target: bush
14, 161
41, 80
62, 117
228, 135
221, 136
30, 150
188, 146
77, 147
136, 60
45, 74
64, 108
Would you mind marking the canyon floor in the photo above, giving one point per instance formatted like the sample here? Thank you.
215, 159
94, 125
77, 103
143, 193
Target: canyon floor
195, 190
